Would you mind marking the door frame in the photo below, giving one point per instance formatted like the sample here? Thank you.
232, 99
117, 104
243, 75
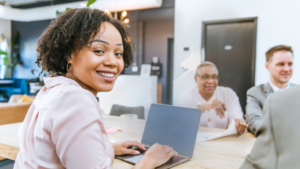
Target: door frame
170, 60
238, 20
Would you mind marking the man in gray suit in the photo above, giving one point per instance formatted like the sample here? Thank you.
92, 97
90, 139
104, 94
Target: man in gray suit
277, 144
279, 63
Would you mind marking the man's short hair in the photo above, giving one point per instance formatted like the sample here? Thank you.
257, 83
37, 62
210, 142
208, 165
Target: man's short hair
204, 64
270, 52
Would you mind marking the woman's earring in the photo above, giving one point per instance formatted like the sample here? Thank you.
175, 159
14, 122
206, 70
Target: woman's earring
68, 67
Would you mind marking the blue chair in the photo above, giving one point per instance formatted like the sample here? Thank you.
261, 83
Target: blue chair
19, 86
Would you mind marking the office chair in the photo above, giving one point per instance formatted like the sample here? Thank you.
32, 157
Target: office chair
117, 110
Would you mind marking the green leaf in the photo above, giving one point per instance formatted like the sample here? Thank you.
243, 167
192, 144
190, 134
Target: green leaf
90, 2
3, 53
5, 60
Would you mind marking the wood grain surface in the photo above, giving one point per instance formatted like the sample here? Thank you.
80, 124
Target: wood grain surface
13, 112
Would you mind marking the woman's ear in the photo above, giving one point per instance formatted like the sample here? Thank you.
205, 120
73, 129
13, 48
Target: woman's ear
69, 62
70, 59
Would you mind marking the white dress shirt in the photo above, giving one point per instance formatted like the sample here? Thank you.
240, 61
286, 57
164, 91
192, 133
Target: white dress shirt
275, 88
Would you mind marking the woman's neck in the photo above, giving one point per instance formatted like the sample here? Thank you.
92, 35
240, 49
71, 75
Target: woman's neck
71, 76
206, 96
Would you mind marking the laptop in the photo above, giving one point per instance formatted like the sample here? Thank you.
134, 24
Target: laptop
174, 126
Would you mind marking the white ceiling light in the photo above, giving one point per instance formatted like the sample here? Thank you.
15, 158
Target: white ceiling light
124, 13
49, 12
106, 11
126, 21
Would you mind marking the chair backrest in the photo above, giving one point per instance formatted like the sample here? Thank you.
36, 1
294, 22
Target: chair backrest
24, 86
13, 112
16, 83
21, 83
117, 110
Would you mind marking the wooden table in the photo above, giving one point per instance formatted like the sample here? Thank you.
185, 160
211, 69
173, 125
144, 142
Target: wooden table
228, 152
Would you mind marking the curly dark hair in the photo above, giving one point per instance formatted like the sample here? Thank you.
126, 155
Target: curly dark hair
70, 32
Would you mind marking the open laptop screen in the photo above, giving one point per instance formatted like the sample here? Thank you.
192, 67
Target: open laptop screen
173, 126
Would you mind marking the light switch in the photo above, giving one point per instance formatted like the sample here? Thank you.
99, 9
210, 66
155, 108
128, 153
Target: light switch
228, 47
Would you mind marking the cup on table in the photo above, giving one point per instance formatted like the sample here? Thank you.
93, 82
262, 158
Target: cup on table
128, 126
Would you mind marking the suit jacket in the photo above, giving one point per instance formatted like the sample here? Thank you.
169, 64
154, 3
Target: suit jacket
277, 144
256, 97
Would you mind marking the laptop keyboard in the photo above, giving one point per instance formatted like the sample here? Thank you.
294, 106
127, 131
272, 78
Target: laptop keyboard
172, 160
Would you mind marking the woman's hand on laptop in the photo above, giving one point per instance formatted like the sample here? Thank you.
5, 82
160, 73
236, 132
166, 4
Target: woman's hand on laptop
122, 147
155, 156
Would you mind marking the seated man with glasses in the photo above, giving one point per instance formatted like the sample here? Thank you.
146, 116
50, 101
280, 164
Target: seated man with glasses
220, 105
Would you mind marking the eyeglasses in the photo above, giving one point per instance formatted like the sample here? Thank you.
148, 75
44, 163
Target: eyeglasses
207, 77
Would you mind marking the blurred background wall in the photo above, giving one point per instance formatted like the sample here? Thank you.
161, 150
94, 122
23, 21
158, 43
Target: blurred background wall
150, 30
29, 35
5, 28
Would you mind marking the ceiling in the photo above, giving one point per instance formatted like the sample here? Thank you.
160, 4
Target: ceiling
45, 9
26, 4
21, 2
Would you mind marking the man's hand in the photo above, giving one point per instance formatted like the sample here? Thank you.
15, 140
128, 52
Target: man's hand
122, 147
240, 126
219, 107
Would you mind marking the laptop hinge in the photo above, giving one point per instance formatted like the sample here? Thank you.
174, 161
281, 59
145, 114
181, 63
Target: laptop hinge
185, 156
147, 144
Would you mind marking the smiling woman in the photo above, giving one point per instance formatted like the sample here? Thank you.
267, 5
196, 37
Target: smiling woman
97, 67
88, 33
85, 51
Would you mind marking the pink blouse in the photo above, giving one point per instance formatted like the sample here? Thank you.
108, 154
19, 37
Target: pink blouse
191, 97
64, 129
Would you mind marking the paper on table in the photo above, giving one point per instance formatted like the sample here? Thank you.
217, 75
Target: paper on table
109, 131
203, 136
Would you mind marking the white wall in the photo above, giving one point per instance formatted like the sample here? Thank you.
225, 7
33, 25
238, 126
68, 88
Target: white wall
278, 23
5, 29
130, 91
